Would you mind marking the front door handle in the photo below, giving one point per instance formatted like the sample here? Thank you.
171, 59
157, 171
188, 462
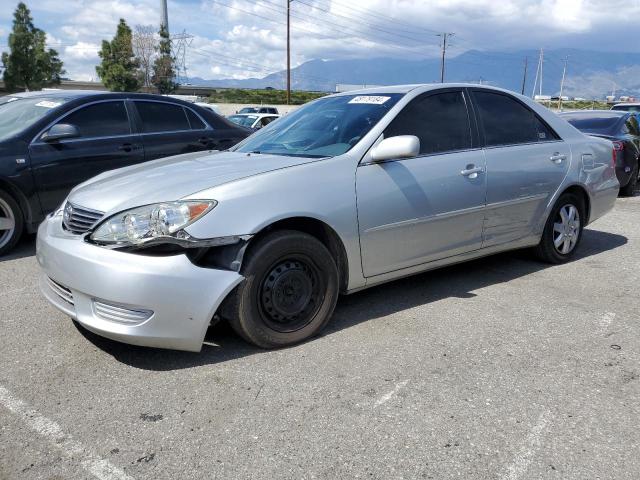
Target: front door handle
472, 171
557, 157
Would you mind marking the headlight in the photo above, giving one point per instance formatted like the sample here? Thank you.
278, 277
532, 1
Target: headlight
143, 224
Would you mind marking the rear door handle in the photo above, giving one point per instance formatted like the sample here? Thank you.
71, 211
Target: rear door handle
471, 171
204, 140
125, 147
557, 157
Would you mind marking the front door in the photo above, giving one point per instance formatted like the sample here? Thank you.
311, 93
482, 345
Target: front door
417, 210
105, 143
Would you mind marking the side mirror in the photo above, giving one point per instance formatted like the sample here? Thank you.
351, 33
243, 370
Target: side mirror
61, 131
402, 146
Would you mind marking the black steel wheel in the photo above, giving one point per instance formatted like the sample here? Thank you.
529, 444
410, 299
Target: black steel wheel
289, 293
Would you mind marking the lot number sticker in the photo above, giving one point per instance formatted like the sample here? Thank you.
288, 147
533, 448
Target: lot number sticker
369, 99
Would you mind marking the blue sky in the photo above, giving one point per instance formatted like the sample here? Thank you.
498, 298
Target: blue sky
243, 38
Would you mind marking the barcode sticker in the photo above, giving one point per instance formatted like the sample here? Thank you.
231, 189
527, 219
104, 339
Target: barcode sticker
369, 99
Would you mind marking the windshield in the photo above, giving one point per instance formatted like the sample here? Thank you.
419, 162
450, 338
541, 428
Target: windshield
18, 114
244, 120
323, 128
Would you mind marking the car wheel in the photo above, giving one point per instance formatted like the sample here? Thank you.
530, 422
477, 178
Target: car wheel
289, 293
563, 231
629, 189
11, 223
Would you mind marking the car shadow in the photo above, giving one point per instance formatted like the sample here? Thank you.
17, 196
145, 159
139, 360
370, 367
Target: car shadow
26, 247
458, 281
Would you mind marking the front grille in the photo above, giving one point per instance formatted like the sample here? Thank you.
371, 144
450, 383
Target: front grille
120, 314
79, 219
63, 292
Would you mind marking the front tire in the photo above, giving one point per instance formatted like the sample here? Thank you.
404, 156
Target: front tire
563, 230
289, 293
11, 223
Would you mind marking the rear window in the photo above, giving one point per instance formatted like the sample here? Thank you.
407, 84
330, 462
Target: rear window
626, 108
162, 117
594, 124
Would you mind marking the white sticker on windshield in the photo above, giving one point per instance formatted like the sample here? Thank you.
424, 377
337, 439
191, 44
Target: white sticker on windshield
47, 104
370, 99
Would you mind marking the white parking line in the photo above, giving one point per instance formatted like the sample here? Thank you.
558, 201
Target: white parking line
52, 432
520, 463
387, 396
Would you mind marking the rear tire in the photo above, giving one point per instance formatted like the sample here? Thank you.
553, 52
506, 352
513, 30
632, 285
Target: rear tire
11, 222
289, 292
629, 189
563, 230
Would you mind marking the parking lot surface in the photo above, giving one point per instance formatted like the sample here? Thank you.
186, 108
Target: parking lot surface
502, 368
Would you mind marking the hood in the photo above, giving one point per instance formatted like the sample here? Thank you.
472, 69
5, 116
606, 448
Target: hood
173, 178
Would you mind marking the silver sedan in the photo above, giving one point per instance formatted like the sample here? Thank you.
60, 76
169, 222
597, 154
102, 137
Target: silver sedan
349, 191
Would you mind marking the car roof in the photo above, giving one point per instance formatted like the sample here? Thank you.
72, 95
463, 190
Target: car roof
55, 93
627, 104
402, 89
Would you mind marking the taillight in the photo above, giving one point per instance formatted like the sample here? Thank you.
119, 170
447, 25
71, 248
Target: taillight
617, 147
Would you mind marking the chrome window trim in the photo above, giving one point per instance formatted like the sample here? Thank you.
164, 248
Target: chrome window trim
207, 126
37, 138
424, 155
507, 145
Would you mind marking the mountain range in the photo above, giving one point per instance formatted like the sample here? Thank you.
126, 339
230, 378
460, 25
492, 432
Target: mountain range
590, 74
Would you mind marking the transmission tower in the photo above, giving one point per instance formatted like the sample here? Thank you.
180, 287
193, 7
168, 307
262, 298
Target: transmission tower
180, 42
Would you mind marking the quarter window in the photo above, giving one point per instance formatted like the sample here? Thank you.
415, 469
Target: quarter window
162, 117
104, 119
506, 121
194, 120
440, 121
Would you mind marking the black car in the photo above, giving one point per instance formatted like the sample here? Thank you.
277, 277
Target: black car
623, 129
51, 141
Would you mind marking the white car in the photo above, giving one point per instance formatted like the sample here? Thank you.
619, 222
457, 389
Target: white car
210, 106
254, 121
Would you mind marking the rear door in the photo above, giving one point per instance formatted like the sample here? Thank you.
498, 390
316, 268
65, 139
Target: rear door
416, 210
106, 142
526, 163
171, 129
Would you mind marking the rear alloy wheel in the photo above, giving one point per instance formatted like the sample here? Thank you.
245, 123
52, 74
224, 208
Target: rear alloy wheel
10, 223
289, 292
563, 230
630, 188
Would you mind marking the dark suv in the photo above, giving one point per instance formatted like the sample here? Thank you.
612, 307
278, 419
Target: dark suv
51, 141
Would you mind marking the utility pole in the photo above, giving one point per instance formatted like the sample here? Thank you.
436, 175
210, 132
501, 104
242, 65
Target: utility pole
564, 72
164, 15
444, 36
524, 77
288, 52
538, 74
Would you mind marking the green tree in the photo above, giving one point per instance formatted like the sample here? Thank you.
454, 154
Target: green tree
118, 69
28, 64
163, 67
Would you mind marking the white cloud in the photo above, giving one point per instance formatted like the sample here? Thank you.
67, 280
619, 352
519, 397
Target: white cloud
246, 38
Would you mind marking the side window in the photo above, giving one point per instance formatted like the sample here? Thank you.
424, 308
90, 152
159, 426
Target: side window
194, 120
104, 119
440, 121
506, 121
162, 117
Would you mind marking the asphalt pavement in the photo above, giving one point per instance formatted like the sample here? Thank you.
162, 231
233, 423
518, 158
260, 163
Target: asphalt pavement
502, 368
